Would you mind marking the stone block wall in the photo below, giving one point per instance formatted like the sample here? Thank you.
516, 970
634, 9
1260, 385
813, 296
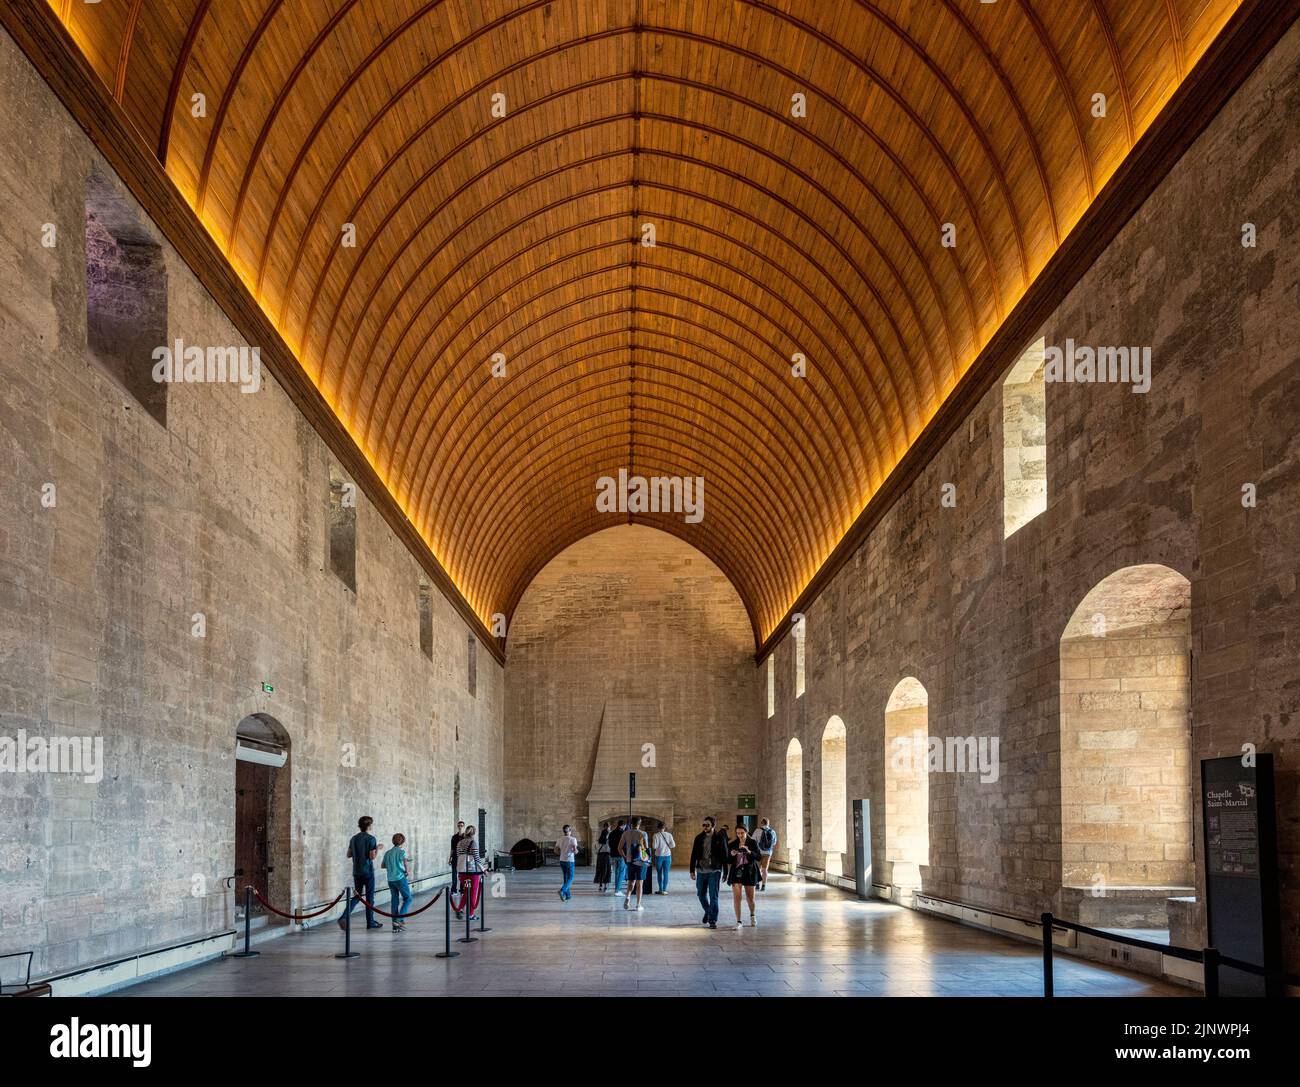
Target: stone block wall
939, 594
221, 513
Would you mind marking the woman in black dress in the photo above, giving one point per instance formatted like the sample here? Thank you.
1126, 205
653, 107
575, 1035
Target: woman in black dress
743, 871
602, 858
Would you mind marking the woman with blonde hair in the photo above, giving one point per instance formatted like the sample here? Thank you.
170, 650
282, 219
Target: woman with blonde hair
469, 870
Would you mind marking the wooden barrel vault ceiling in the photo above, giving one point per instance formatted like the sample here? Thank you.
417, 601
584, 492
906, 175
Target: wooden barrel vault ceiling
778, 231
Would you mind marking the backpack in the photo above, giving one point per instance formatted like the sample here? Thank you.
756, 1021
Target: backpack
765, 838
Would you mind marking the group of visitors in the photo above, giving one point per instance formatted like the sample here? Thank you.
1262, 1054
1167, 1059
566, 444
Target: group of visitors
363, 850
741, 861
467, 870
624, 854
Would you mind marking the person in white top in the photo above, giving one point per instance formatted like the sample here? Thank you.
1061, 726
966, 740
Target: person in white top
567, 849
662, 845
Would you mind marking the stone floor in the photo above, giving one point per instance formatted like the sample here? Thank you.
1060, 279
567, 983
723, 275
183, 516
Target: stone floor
810, 940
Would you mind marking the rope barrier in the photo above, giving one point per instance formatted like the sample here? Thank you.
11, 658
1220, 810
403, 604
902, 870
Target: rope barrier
295, 916
465, 894
400, 916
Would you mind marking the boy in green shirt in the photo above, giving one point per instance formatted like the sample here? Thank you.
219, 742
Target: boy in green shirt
398, 867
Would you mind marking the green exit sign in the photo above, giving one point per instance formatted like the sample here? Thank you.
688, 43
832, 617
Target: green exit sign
747, 800
267, 688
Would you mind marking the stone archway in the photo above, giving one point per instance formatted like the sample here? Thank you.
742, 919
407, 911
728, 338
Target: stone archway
907, 786
834, 796
793, 803
1125, 721
263, 838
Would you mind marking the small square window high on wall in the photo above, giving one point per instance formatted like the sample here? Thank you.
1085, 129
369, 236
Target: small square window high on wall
426, 617
343, 528
126, 296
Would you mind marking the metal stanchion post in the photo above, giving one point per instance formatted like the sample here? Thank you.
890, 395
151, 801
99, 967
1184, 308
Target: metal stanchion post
447, 952
247, 953
347, 952
1047, 954
482, 906
1210, 959
469, 913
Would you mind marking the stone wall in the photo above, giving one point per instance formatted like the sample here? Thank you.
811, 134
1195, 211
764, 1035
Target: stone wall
629, 621
221, 513
939, 594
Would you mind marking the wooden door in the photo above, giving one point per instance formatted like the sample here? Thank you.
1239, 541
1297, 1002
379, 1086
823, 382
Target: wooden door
252, 818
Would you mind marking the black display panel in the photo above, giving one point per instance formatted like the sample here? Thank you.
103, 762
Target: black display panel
862, 846
1241, 886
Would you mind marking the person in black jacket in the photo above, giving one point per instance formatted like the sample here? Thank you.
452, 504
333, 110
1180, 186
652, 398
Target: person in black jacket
615, 857
603, 868
708, 865
451, 858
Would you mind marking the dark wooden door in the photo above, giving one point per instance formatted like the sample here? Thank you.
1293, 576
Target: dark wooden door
252, 816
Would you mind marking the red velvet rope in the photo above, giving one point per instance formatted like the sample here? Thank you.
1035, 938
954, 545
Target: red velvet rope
403, 916
465, 894
294, 916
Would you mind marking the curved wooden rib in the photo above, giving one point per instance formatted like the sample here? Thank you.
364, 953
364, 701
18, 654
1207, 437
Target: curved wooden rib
819, 234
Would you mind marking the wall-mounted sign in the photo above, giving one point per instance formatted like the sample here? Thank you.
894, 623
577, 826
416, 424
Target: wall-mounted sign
747, 801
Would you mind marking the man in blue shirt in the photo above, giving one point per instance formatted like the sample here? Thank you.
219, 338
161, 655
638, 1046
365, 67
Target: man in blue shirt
362, 849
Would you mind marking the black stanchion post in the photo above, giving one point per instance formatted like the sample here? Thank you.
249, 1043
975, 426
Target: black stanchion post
469, 913
1047, 954
447, 952
247, 953
1210, 960
482, 906
347, 952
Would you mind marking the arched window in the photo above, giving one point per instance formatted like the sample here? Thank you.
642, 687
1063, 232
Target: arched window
799, 628
793, 801
907, 788
835, 797
1126, 790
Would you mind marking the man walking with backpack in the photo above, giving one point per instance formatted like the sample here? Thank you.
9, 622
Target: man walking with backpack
766, 847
